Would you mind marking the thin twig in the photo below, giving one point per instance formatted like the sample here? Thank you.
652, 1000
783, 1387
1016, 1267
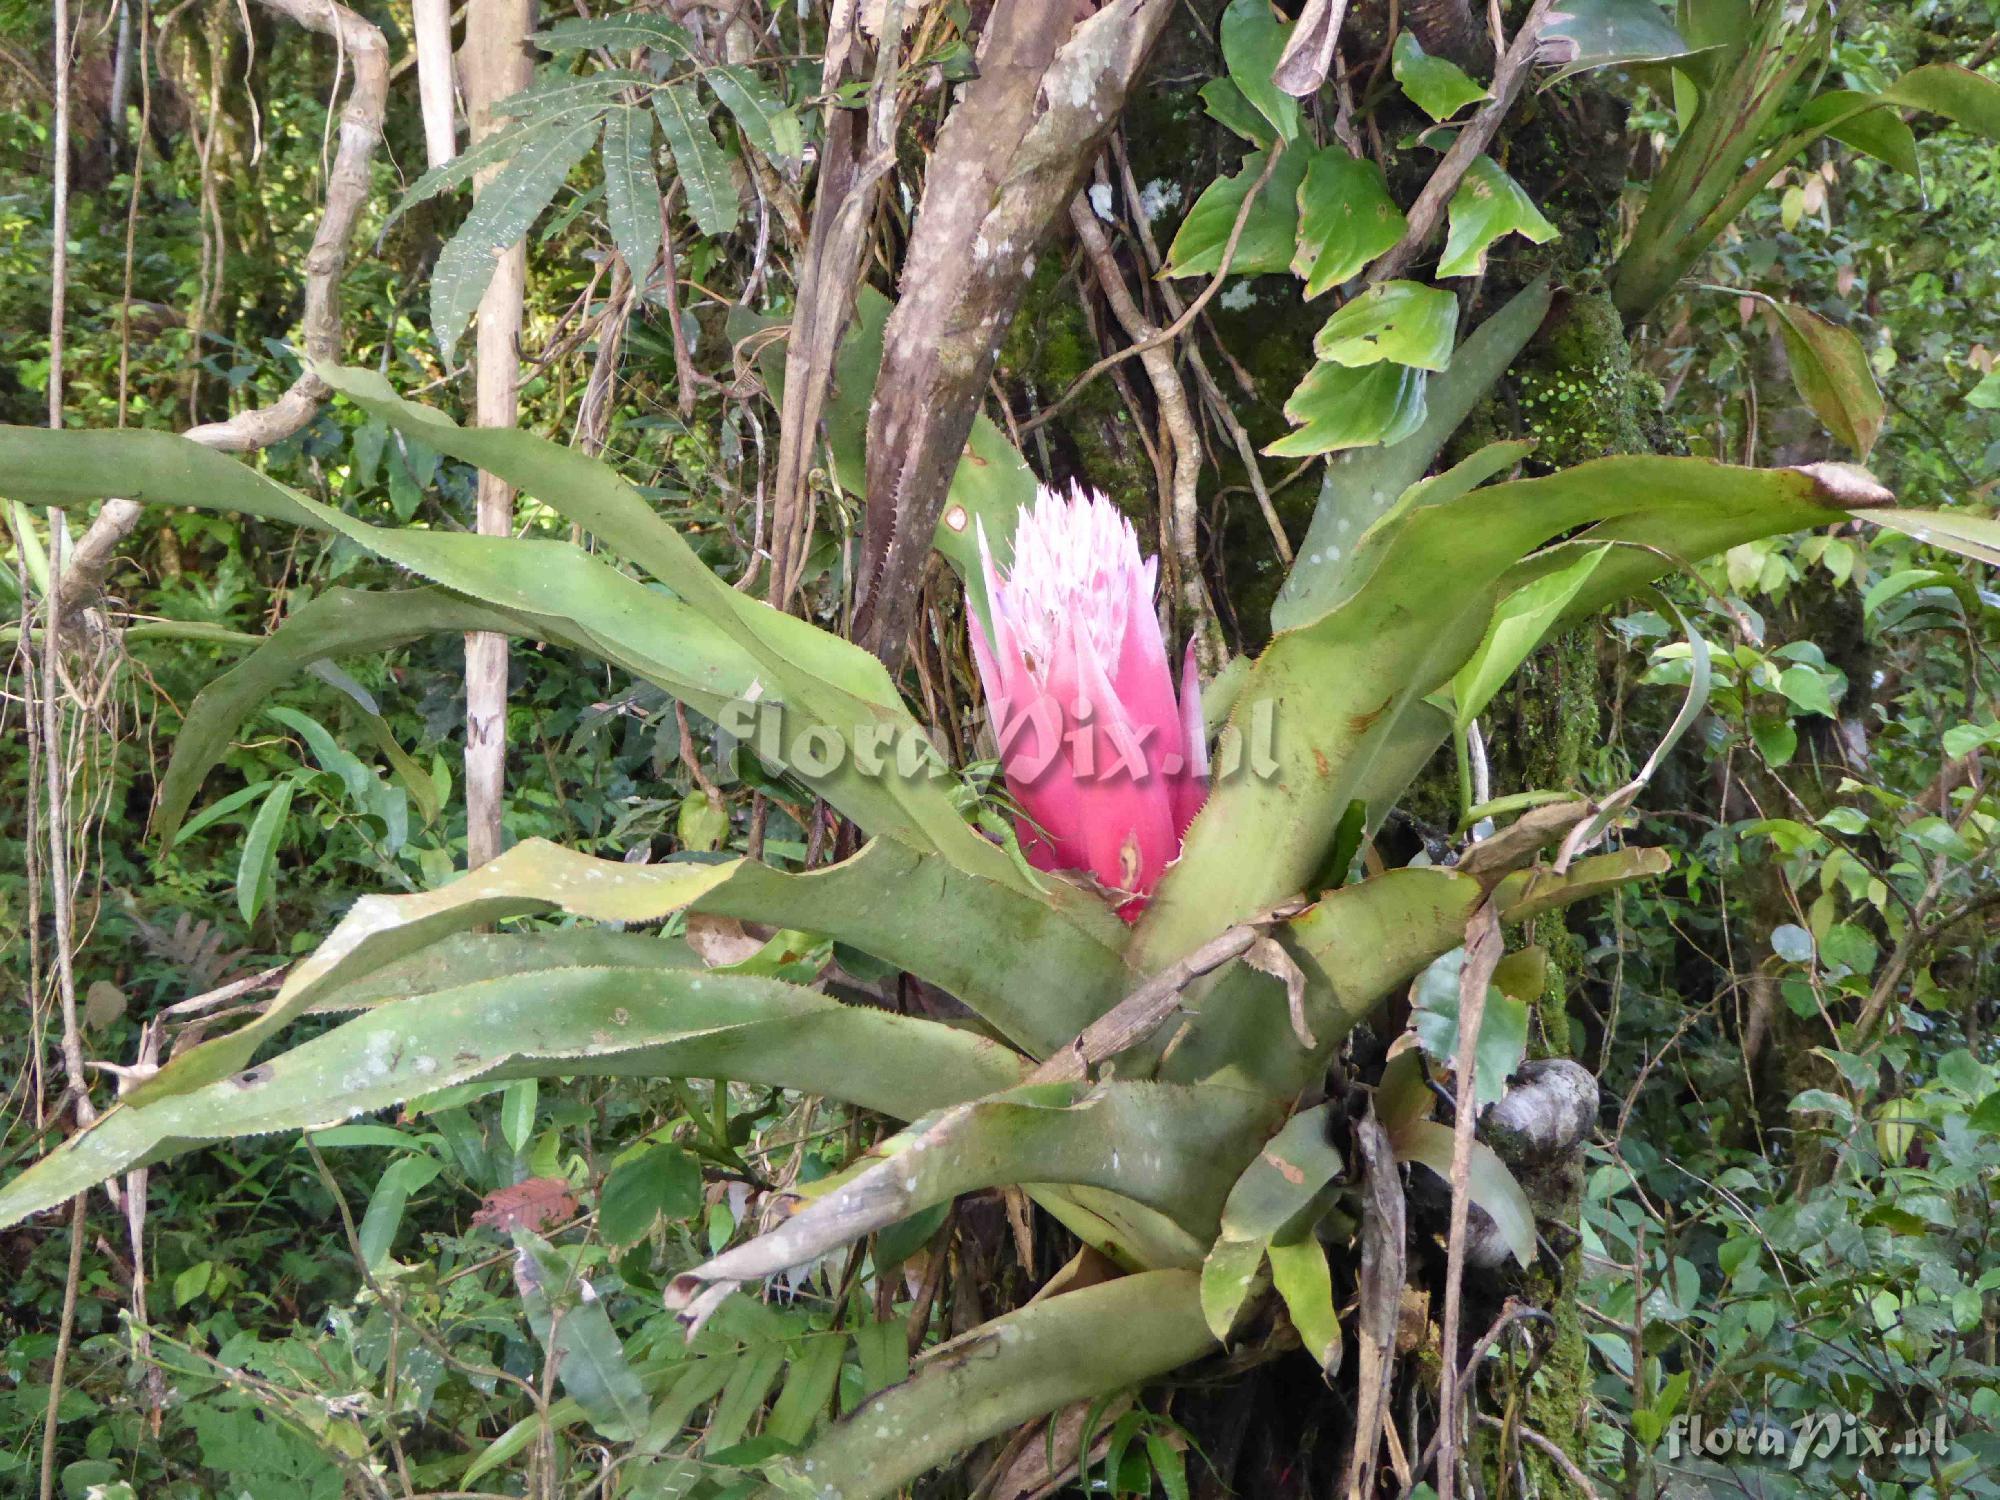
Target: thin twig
1471, 141
1135, 1017
1179, 325
1482, 954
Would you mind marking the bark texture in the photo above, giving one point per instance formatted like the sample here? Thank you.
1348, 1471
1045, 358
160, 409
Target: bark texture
1007, 162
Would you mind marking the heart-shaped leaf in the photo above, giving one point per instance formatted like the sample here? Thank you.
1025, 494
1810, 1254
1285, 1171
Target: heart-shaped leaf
1436, 85
1337, 407
1345, 219
1487, 205
1404, 322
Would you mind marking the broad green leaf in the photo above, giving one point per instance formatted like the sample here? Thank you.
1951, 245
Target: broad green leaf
1230, 107
1524, 618
1402, 321
1436, 85
570, 1321
1074, 1347
530, 879
1962, 96
632, 188
1503, 1026
1281, 1187
703, 167
1227, 1276
1806, 688
595, 1022
1581, 35
384, 1214
1489, 1183
1299, 1271
1037, 972
772, 127
517, 1113
1831, 370
1252, 42
1389, 633
1361, 484
1986, 395
1270, 234
1867, 123
1336, 407
501, 214
1487, 205
260, 851
1345, 219
1168, 1147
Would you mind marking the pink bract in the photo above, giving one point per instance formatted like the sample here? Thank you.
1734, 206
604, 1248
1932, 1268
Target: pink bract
1108, 764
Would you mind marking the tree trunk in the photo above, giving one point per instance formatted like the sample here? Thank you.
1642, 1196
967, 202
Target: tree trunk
496, 63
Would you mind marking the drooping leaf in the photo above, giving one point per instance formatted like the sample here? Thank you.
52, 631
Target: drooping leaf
1524, 618
573, 1327
1337, 407
1487, 205
703, 168
1275, 1193
1345, 219
1966, 98
1436, 85
260, 851
1580, 35
1405, 322
822, 682
1252, 42
1865, 122
1227, 104
1270, 234
1832, 372
771, 125
1228, 1275
554, 1023
1489, 1184
501, 214
1300, 1273
632, 188
496, 148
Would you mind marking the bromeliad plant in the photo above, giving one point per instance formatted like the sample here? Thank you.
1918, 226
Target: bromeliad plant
1138, 1077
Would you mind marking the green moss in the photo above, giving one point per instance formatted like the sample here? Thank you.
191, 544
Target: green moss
1577, 392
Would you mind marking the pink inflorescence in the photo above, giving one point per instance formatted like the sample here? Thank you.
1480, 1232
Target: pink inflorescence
1108, 765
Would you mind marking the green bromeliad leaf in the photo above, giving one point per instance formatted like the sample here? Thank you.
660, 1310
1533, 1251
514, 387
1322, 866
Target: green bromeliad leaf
1581, 35
1405, 322
1345, 219
1171, 1148
610, 1022
1487, 205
